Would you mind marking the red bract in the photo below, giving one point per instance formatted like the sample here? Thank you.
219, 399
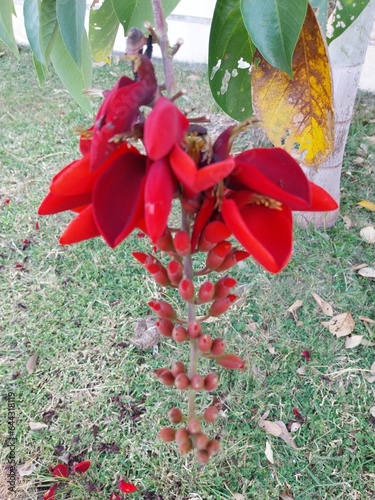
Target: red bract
126, 487
82, 466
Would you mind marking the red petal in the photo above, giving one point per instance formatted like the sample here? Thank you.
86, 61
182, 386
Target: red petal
164, 127
159, 190
274, 173
52, 204
265, 233
183, 167
118, 197
50, 493
83, 227
74, 179
126, 487
201, 219
60, 470
222, 144
82, 466
210, 175
321, 201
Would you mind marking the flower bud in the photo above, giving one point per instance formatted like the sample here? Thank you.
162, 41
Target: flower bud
174, 271
224, 287
202, 456
197, 382
217, 255
212, 234
211, 381
159, 274
185, 447
165, 327
204, 342
175, 415
181, 243
162, 309
140, 256
165, 243
210, 414
179, 334
219, 306
182, 381
177, 368
218, 346
193, 426
213, 447
186, 290
182, 436
200, 441
230, 361
232, 259
194, 329
167, 434
206, 292
166, 378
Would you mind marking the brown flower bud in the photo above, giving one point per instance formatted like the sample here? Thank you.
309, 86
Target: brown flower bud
211, 381
182, 381
200, 441
182, 436
202, 456
210, 414
185, 447
165, 327
179, 334
166, 378
175, 415
193, 426
177, 368
218, 346
204, 342
167, 434
213, 447
197, 382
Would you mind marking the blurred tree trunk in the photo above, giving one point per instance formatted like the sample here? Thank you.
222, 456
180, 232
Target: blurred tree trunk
347, 54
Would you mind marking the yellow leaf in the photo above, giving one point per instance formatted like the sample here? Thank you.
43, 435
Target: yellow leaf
297, 114
367, 204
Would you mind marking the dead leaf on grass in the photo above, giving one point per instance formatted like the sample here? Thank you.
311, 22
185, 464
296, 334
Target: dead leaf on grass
348, 223
301, 370
371, 378
368, 234
271, 349
372, 411
295, 426
146, 333
238, 496
367, 272
283, 496
366, 319
340, 325
294, 308
324, 306
353, 341
369, 205
31, 363
356, 267
269, 452
26, 469
37, 426
277, 429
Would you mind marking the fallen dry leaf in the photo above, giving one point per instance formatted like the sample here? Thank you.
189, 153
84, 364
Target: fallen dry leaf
348, 223
341, 324
31, 363
277, 429
294, 308
238, 496
265, 415
367, 343
295, 426
271, 349
37, 426
366, 319
324, 306
301, 370
283, 496
368, 234
353, 341
269, 453
367, 272
358, 266
372, 411
26, 469
371, 378
369, 205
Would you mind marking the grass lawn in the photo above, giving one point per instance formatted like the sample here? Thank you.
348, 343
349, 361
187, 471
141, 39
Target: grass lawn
75, 307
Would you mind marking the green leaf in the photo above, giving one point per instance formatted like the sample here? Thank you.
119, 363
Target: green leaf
103, 28
40, 69
48, 23
31, 14
71, 19
274, 27
134, 13
230, 55
6, 26
345, 13
321, 11
75, 79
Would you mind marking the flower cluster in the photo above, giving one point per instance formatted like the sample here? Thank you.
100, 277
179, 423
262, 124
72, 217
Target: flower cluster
226, 200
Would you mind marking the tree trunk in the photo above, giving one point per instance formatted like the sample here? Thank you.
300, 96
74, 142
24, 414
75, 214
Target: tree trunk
347, 54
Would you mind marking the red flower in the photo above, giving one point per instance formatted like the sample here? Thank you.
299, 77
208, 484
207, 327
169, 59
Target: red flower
82, 466
126, 487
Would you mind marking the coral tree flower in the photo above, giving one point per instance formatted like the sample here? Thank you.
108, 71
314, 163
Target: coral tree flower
114, 188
